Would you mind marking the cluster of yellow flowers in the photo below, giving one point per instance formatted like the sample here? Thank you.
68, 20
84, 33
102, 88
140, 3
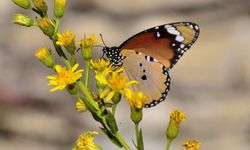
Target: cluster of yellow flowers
86, 142
111, 83
191, 145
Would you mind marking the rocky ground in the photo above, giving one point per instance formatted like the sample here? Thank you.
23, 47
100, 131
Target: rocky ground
211, 83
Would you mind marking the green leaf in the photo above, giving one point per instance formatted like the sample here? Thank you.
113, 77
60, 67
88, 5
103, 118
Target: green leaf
111, 137
111, 122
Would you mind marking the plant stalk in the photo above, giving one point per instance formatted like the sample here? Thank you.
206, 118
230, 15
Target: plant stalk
87, 73
121, 140
168, 144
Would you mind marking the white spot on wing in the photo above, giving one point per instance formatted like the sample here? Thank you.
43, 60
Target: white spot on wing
156, 28
179, 38
167, 26
158, 34
196, 27
182, 46
172, 30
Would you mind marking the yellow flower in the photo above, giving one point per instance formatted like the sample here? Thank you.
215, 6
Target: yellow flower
136, 99
64, 77
67, 40
177, 116
102, 76
117, 83
89, 42
80, 106
44, 55
100, 65
87, 45
86, 142
101, 81
192, 145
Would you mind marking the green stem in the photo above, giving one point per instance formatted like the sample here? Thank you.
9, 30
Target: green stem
121, 140
58, 20
59, 50
168, 144
73, 59
85, 91
139, 137
137, 132
114, 109
87, 73
54, 39
66, 62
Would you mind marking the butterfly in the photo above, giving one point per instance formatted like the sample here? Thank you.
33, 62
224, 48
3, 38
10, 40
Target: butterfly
149, 55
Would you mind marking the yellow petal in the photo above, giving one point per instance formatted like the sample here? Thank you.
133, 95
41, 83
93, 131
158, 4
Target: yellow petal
58, 68
110, 96
74, 67
57, 88
132, 82
104, 92
51, 77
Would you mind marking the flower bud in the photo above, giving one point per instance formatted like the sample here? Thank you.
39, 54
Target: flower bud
22, 20
23, 3
136, 115
176, 117
59, 6
44, 55
117, 98
47, 26
87, 53
41, 7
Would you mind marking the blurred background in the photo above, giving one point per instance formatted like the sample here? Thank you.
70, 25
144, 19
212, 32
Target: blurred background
211, 83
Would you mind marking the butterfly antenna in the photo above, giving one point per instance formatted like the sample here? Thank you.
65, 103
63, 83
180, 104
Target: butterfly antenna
103, 40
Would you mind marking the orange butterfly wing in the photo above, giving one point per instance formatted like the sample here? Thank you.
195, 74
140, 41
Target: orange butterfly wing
166, 43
